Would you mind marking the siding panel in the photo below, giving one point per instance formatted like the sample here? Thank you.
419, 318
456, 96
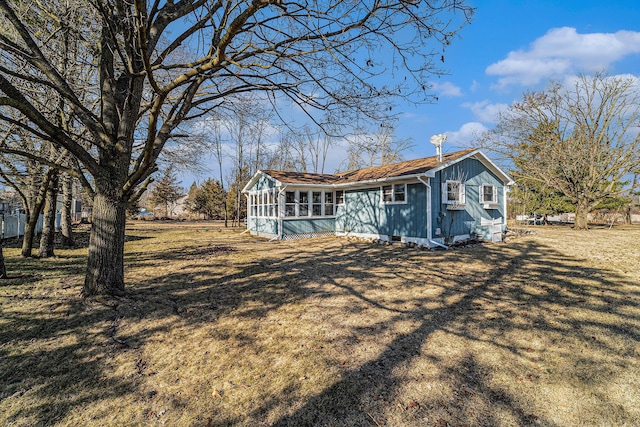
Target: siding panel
301, 226
363, 213
455, 223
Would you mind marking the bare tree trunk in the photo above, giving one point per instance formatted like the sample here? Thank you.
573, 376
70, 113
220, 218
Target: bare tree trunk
29, 233
49, 225
33, 213
65, 218
582, 212
105, 263
3, 268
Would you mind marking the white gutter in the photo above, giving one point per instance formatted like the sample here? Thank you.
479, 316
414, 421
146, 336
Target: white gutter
429, 226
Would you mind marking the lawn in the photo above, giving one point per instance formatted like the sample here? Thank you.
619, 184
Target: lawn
221, 328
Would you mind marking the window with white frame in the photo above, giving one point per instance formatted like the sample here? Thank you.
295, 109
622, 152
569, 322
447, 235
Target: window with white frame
328, 203
453, 193
316, 203
395, 193
290, 203
261, 204
303, 206
303, 203
399, 193
488, 194
254, 206
340, 197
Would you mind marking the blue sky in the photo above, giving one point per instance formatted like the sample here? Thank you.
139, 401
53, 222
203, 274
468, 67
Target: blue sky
515, 46
509, 48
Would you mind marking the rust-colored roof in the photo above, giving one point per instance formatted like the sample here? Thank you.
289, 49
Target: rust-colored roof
302, 177
411, 167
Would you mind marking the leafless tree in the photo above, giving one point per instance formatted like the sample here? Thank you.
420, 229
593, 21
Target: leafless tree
580, 141
375, 148
155, 65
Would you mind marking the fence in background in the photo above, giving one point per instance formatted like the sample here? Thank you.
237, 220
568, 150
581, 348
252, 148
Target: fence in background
13, 225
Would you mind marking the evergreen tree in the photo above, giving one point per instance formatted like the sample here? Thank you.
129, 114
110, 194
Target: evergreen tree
166, 192
189, 203
209, 200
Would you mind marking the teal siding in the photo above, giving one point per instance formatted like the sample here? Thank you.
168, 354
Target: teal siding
264, 183
263, 226
363, 213
467, 221
310, 225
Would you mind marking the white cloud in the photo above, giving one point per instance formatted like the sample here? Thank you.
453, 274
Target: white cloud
447, 89
466, 135
563, 51
484, 111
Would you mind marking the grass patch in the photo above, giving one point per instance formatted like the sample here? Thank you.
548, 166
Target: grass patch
220, 328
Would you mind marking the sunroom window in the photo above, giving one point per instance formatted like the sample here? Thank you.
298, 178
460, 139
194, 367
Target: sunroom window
328, 203
316, 203
290, 203
303, 208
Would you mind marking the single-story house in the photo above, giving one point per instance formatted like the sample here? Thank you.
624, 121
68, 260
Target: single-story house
432, 201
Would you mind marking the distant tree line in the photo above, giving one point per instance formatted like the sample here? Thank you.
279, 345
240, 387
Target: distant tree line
572, 148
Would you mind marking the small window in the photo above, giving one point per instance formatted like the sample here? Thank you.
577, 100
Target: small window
303, 209
387, 193
394, 193
488, 194
340, 197
290, 203
453, 193
328, 203
399, 192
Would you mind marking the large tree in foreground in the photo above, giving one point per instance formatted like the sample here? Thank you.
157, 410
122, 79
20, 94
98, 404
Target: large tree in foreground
581, 141
143, 68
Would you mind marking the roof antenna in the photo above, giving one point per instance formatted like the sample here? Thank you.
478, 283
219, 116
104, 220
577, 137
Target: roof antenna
438, 140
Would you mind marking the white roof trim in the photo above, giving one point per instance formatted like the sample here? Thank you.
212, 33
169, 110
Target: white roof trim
480, 156
255, 179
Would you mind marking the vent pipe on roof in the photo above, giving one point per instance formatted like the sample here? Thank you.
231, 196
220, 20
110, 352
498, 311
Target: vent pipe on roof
438, 140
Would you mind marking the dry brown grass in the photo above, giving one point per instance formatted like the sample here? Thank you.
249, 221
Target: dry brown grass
226, 329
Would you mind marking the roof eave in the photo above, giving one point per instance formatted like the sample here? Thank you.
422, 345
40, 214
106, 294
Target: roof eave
255, 179
482, 158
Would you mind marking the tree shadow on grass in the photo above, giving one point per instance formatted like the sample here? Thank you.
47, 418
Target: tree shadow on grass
528, 292
529, 301
534, 280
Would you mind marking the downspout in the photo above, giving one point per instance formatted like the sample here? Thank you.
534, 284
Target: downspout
432, 242
504, 205
280, 215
